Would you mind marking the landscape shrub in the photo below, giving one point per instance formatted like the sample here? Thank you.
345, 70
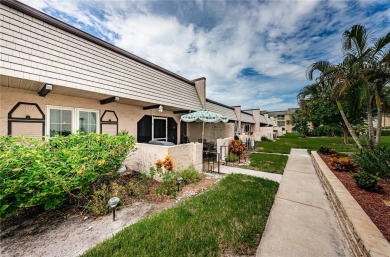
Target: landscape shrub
265, 139
231, 157
164, 168
385, 133
366, 180
325, 130
100, 195
237, 147
326, 150
189, 175
375, 161
35, 173
343, 164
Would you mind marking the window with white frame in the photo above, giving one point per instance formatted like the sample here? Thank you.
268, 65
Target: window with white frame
66, 120
160, 128
247, 128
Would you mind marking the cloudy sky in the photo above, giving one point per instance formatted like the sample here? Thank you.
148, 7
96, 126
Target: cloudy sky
253, 53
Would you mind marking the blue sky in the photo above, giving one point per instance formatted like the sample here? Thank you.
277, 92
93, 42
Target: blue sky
253, 53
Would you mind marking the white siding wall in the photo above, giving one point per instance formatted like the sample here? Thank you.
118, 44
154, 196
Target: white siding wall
34, 50
247, 118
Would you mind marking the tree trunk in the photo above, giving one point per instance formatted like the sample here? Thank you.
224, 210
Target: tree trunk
345, 135
371, 139
378, 103
348, 125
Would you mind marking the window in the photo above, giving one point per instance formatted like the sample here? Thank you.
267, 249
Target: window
247, 128
87, 120
281, 123
281, 117
66, 120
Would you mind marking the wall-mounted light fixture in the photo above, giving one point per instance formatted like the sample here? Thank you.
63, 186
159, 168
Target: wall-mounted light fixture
160, 109
47, 88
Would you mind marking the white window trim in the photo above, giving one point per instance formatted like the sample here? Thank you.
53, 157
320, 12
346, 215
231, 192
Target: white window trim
166, 128
75, 117
77, 120
50, 107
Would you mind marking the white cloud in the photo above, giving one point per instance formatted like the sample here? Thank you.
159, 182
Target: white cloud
278, 39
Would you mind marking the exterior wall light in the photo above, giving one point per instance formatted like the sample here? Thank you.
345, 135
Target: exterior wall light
113, 202
160, 109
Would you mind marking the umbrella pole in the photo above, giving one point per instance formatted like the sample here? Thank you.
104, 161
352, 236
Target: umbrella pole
203, 132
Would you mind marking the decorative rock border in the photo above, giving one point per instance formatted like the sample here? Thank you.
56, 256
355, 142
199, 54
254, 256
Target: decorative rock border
363, 236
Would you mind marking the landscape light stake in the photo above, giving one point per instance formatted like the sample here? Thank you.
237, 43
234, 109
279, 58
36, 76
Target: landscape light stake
113, 202
179, 181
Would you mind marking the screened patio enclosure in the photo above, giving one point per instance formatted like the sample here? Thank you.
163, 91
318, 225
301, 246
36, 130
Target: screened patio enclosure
157, 128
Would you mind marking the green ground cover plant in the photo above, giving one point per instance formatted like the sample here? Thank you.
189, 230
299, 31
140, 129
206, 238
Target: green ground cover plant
273, 163
229, 219
35, 173
293, 140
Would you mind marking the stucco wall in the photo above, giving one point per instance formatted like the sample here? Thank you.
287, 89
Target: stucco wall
183, 156
35, 50
212, 131
128, 115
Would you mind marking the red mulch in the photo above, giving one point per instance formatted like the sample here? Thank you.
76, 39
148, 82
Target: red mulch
371, 202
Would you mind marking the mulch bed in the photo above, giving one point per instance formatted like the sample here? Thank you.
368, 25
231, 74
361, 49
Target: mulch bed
371, 202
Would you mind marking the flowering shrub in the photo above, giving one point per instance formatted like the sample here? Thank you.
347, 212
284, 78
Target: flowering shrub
46, 173
343, 164
165, 169
237, 147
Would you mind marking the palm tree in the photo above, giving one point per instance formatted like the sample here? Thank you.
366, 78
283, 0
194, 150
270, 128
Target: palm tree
370, 65
336, 77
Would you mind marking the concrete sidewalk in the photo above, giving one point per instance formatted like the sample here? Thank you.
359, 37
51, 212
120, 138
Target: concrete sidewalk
301, 222
235, 170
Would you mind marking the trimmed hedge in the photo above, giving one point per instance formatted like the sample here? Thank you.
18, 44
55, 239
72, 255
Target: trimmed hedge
46, 173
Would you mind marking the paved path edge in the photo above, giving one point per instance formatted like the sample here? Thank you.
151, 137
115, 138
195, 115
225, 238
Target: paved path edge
363, 237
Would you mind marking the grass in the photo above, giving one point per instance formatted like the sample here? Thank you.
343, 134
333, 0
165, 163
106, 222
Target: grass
273, 163
229, 219
288, 141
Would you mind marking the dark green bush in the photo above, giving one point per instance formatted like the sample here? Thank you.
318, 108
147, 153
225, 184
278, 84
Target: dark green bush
326, 150
375, 161
366, 180
45, 173
385, 132
325, 130
265, 139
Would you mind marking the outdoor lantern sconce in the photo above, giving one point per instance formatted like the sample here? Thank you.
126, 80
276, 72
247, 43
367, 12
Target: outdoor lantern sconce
179, 181
46, 89
113, 202
160, 109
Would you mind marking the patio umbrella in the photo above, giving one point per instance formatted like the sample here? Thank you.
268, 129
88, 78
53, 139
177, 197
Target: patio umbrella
204, 116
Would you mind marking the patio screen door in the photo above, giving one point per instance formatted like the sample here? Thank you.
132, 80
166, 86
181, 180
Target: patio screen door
160, 128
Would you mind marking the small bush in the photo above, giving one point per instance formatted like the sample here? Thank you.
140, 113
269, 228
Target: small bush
375, 161
231, 157
343, 164
265, 139
189, 175
385, 132
100, 195
366, 180
326, 150
164, 168
237, 147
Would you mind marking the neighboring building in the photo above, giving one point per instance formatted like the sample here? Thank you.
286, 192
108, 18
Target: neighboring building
283, 119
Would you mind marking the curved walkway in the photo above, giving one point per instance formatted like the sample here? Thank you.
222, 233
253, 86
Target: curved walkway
301, 222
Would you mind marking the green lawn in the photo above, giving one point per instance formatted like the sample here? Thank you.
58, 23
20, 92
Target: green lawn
273, 163
229, 219
288, 141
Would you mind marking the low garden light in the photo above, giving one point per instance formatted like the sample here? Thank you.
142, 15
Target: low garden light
113, 202
179, 181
